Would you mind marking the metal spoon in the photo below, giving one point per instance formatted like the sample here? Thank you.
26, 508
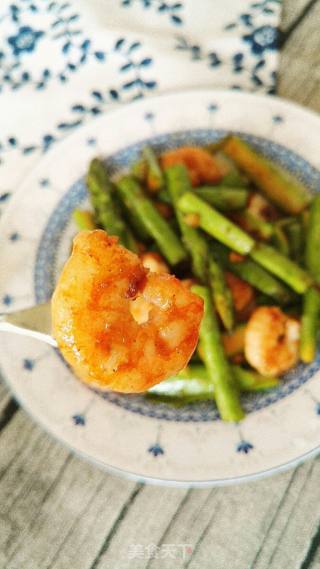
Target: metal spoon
34, 322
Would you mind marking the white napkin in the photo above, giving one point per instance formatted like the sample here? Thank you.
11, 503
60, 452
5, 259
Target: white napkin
62, 63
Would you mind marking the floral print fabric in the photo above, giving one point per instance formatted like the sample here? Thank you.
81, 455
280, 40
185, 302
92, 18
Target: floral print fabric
64, 62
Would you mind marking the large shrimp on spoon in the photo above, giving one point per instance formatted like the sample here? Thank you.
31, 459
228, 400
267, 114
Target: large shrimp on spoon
118, 325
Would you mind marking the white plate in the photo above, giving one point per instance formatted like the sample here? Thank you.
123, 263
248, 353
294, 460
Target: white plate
126, 434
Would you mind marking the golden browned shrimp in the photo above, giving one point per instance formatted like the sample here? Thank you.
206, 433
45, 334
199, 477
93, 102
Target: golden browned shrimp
93, 322
201, 166
154, 262
272, 341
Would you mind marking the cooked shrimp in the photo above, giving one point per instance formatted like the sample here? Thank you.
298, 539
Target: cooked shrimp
242, 293
200, 164
94, 324
154, 262
272, 341
188, 283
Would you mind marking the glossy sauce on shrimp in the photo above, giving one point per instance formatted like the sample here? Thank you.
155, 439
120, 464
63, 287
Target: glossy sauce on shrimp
117, 324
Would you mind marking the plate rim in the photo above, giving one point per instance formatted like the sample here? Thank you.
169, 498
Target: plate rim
153, 480
125, 473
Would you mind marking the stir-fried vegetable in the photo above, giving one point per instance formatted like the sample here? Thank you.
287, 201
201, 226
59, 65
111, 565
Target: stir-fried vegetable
243, 234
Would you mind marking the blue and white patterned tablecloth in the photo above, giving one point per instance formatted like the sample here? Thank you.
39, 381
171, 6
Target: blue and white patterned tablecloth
62, 63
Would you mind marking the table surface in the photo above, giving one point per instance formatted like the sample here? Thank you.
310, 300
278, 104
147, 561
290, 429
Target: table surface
59, 512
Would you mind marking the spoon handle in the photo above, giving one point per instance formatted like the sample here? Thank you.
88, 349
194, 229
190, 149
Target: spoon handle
34, 322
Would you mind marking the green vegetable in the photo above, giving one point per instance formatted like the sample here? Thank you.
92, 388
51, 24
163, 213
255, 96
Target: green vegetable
224, 198
84, 219
226, 393
312, 253
288, 271
305, 215
254, 274
277, 184
178, 183
222, 296
135, 200
193, 384
309, 325
249, 380
139, 170
263, 281
255, 225
133, 220
311, 301
216, 224
107, 212
155, 175
164, 196
294, 231
232, 176
280, 240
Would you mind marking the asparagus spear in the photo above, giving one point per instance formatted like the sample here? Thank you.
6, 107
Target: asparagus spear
311, 301
309, 325
222, 296
178, 183
231, 174
254, 225
276, 183
164, 196
226, 394
139, 169
263, 281
155, 177
312, 252
295, 238
193, 384
280, 240
133, 220
224, 198
216, 224
288, 271
84, 219
107, 212
249, 380
228, 233
255, 275
142, 207
305, 215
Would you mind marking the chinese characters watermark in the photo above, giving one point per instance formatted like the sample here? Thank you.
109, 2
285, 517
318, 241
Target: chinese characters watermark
164, 551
